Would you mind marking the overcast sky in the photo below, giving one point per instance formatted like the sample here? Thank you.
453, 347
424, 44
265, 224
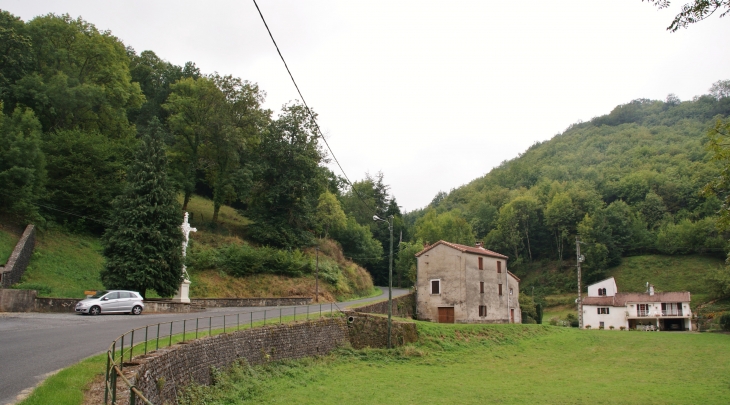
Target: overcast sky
433, 94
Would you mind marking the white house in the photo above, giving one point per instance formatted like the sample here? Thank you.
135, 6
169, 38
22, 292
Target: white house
605, 307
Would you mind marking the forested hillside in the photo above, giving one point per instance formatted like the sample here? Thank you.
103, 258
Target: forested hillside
645, 178
75, 102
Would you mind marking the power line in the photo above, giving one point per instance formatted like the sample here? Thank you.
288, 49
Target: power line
308, 110
65, 212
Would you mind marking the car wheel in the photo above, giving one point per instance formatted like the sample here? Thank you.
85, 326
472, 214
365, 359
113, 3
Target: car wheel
136, 310
94, 310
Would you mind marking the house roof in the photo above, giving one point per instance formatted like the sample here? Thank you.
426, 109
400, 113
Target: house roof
464, 249
605, 279
621, 299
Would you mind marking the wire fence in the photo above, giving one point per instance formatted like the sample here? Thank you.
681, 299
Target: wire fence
152, 337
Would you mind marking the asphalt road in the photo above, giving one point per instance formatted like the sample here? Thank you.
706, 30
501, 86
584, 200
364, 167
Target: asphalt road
34, 345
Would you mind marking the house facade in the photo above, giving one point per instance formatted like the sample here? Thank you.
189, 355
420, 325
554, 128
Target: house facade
605, 307
465, 284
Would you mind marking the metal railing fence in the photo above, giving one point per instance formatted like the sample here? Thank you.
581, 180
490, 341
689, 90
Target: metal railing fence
158, 335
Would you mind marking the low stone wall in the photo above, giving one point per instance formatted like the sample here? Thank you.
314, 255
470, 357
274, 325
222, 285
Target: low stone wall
17, 300
366, 330
250, 302
403, 306
19, 259
158, 305
164, 372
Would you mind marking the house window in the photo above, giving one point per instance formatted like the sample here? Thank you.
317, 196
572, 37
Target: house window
499, 266
435, 286
601, 291
481, 263
642, 309
602, 311
482, 310
510, 291
481, 287
672, 309
500, 289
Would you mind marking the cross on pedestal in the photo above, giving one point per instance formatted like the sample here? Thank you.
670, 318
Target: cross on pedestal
183, 293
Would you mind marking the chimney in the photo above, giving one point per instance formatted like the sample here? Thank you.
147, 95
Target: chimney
479, 245
651, 289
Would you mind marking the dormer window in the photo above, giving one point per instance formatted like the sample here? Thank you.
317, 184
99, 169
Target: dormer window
601, 291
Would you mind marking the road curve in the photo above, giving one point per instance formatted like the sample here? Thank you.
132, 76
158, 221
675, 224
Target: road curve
33, 345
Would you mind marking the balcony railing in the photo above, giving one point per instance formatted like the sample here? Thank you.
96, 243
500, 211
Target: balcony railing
672, 312
643, 313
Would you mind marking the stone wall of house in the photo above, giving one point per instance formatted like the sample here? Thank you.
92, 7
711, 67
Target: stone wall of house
403, 306
19, 259
366, 330
161, 374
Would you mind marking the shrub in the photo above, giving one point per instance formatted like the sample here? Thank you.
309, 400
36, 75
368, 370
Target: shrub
622, 327
554, 321
588, 326
725, 321
612, 327
601, 328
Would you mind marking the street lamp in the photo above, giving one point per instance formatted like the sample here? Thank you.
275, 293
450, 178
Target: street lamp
390, 276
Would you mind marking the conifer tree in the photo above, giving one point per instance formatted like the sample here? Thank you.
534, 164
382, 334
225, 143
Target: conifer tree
142, 245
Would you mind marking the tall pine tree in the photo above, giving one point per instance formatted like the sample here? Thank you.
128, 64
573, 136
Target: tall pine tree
142, 245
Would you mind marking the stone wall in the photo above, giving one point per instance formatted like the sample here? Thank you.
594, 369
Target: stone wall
19, 259
250, 302
403, 306
162, 373
366, 330
12, 300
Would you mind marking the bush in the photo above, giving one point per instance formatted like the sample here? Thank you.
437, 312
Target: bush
622, 328
611, 327
725, 321
601, 328
588, 326
554, 321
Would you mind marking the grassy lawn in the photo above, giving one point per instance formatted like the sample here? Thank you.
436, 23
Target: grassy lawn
7, 244
667, 273
64, 265
522, 364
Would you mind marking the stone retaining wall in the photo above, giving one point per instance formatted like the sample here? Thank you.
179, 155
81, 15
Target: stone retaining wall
366, 330
403, 306
19, 259
250, 302
162, 373
12, 300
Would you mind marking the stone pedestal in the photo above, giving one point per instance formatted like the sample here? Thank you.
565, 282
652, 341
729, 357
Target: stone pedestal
183, 293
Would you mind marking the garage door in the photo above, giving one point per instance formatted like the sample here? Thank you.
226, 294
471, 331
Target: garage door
446, 314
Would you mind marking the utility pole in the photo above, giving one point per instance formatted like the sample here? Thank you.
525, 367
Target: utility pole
579, 259
316, 279
389, 221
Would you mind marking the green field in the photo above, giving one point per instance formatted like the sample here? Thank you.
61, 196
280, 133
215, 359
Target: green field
7, 244
520, 364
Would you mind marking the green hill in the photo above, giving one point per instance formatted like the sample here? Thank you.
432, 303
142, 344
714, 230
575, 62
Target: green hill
66, 264
630, 183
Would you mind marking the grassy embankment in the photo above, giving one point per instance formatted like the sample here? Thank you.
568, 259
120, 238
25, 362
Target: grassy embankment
65, 265
466, 364
667, 273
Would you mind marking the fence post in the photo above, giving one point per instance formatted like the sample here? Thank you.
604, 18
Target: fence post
106, 379
224, 323
251, 321
210, 326
121, 355
131, 347
264, 317
238, 321
145, 338
196, 327
295, 314
132, 396
279, 315
114, 385
157, 344
185, 321
307, 312
170, 344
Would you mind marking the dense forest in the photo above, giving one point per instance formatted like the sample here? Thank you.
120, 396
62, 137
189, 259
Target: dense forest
75, 100
645, 178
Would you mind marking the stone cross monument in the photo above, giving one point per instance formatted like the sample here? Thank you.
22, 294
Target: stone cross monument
183, 293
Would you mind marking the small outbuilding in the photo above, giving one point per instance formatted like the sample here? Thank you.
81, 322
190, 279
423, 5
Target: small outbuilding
465, 284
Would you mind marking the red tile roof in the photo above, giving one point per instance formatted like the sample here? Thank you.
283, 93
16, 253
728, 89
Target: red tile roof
463, 248
621, 299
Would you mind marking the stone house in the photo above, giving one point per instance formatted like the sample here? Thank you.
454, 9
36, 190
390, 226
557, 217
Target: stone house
605, 307
465, 284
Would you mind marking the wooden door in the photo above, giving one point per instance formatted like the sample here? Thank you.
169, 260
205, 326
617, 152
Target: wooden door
446, 314
511, 315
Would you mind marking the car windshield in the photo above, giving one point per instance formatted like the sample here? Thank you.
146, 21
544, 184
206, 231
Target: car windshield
99, 294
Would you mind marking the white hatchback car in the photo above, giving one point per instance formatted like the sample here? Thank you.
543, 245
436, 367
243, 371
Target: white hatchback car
114, 301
